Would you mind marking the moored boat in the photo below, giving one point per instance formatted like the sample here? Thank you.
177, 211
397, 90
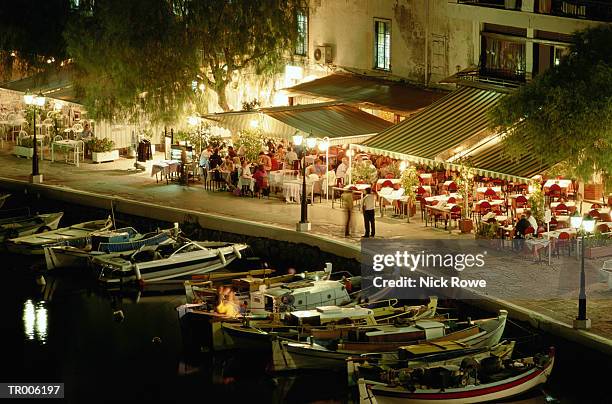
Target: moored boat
25, 225
3, 198
489, 380
77, 235
167, 260
122, 240
321, 352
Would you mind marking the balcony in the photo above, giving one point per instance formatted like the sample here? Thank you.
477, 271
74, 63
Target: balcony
507, 4
588, 10
579, 9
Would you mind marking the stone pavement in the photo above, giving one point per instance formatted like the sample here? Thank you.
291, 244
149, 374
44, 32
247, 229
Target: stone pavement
116, 179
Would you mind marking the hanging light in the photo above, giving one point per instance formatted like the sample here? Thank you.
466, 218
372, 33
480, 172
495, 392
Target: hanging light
403, 165
311, 142
193, 120
324, 144
39, 100
588, 224
576, 220
28, 98
297, 139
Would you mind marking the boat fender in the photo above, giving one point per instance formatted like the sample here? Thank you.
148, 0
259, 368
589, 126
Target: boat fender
40, 280
221, 257
237, 252
118, 315
137, 273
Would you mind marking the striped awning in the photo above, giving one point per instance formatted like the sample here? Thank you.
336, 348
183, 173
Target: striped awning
490, 159
341, 123
441, 127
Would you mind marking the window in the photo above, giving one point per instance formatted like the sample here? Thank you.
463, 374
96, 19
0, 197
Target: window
301, 48
382, 44
504, 59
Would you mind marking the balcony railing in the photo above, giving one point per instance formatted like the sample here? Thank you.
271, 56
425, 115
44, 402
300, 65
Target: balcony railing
588, 10
507, 4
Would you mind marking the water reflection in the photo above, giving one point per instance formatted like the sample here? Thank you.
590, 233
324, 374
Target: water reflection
35, 321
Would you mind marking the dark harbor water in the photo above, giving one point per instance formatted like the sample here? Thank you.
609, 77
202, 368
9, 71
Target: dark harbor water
66, 332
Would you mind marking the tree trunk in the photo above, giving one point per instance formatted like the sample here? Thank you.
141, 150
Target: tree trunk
220, 87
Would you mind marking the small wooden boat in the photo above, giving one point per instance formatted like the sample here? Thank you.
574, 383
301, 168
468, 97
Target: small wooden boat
77, 235
122, 240
25, 225
167, 260
3, 198
423, 355
490, 379
321, 352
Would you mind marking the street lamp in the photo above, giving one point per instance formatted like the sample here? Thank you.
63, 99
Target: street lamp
586, 225
298, 140
35, 101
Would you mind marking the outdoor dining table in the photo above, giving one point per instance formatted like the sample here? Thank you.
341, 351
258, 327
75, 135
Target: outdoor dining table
393, 181
563, 184
427, 178
292, 190
247, 182
277, 177
391, 196
67, 143
444, 211
555, 233
571, 206
480, 191
165, 168
358, 192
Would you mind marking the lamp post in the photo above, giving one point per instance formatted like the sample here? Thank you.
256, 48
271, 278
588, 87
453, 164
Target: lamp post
324, 146
304, 224
35, 101
586, 225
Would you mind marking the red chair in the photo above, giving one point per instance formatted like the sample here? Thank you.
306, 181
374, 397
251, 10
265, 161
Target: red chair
452, 187
521, 201
452, 200
563, 243
561, 209
553, 223
595, 206
386, 184
484, 207
490, 192
529, 231
602, 228
554, 191
594, 213
389, 175
455, 214
421, 191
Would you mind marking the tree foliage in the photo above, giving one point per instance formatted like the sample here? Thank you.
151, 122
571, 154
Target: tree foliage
565, 114
233, 35
132, 58
31, 35
148, 53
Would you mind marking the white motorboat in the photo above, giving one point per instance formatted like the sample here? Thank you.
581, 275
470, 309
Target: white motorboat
167, 260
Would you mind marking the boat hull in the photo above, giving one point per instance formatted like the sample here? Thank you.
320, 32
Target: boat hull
27, 226
290, 355
491, 392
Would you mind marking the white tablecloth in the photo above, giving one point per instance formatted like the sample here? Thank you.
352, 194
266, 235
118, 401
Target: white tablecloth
292, 190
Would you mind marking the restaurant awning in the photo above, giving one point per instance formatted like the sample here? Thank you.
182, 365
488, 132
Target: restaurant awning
340, 123
490, 159
388, 95
442, 128
54, 84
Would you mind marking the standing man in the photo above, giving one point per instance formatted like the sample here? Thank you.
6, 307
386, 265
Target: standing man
368, 205
347, 200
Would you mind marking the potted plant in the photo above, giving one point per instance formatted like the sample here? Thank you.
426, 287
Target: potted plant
102, 150
536, 202
465, 186
409, 180
24, 147
363, 172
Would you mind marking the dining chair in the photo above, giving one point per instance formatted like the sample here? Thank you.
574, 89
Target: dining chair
594, 213
561, 209
564, 243
490, 192
602, 228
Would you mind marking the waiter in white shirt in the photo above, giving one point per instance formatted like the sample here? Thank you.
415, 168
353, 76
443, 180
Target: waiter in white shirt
368, 205
342, 169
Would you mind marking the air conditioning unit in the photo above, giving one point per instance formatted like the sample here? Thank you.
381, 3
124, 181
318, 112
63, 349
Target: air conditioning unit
323, 54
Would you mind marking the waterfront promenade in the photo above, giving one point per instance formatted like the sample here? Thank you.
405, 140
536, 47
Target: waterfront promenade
115, 180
